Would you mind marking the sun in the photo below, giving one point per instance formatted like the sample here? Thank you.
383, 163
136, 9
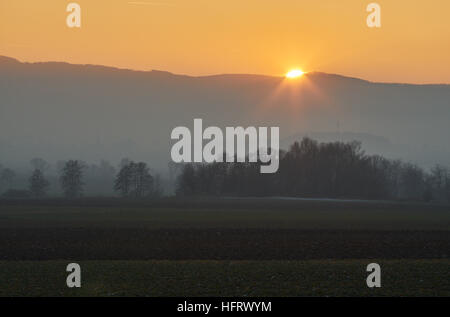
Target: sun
295, 73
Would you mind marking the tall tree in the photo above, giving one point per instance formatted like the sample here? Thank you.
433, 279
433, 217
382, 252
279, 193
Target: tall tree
8, 176
438, 181
134, 179
413, 182
124, 179
158, 189
71, 179
143, 180
38, 184
187, 181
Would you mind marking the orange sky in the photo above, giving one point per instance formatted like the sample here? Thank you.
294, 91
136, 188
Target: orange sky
200, 37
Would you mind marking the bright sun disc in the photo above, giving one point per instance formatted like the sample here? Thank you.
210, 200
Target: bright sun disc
294, 73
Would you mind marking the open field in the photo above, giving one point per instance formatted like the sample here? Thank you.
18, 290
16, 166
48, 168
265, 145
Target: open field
226, 278
223, 213
218, 244
223, 247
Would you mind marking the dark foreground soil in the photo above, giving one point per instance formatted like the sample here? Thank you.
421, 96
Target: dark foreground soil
218, 244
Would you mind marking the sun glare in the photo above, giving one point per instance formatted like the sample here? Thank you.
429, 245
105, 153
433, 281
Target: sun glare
295, 73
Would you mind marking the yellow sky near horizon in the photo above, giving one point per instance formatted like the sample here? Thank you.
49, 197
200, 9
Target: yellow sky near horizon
203, 37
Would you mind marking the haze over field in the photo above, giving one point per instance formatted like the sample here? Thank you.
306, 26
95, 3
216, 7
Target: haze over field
59, 111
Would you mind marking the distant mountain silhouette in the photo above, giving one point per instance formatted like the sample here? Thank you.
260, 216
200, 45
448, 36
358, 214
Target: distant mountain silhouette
59, 110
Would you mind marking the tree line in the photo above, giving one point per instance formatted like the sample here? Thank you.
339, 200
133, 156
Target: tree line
307, 169
319, 170
133, 180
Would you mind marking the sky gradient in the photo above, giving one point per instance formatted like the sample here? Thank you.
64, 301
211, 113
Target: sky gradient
204, 37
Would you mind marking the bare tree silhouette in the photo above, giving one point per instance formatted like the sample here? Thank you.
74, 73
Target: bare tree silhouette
71, 179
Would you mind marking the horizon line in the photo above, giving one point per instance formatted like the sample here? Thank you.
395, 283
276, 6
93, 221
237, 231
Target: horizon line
218, 74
